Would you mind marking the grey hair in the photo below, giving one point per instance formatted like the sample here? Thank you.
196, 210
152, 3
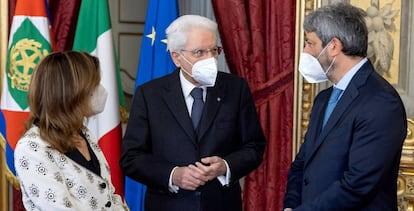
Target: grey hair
177, 30
342, 21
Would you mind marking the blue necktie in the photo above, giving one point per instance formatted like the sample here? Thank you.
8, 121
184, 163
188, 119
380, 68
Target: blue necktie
198, 104
331, 104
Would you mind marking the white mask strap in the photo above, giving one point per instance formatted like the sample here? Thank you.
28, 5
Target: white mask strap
323, 49
333, 61
186, 59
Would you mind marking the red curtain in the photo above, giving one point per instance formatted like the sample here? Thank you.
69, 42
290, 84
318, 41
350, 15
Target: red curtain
12, 8
64, 17
258, 37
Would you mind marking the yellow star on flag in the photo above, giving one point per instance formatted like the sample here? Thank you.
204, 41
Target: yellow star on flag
152, 36
166, 43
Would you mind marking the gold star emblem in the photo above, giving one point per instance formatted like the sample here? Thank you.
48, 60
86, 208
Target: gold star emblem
152, 36
166, 43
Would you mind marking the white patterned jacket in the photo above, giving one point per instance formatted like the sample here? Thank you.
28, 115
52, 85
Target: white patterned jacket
50, 180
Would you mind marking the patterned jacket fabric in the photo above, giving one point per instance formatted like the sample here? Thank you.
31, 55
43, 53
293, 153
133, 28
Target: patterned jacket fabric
50, 180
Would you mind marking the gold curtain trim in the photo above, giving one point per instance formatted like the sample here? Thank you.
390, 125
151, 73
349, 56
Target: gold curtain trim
9, 175
124, 114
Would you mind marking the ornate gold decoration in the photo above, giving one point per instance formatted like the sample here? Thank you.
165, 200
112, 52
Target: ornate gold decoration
405, 181
124, 114
21, 62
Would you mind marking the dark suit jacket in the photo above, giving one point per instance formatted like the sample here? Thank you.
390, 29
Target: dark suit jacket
352, 163
160, 136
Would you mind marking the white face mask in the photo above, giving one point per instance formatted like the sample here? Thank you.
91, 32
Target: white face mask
98, 100
204, 71
311, 69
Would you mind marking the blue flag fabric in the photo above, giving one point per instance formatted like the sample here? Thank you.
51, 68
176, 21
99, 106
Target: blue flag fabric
154, 62
9, 151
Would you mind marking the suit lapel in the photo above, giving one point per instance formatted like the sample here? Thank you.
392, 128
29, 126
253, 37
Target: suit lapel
347, 98
173, 97
213, 101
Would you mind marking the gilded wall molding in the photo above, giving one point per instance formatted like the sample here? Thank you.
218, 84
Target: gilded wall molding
405, 187
304, 92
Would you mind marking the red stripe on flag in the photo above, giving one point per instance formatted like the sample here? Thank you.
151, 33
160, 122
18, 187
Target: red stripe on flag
14, 125
110, 144
30, 8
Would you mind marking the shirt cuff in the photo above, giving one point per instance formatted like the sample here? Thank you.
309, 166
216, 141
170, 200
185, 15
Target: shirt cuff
225, 180
171, 187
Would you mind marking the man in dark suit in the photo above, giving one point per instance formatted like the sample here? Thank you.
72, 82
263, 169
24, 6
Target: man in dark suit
350, 159
192, 150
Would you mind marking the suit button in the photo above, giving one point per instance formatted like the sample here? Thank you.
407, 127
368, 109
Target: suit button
305, 182
108, 204
102, 185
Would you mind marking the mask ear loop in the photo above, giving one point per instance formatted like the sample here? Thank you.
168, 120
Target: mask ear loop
333, 61
185, 59
323, 50
329, 68
182, 68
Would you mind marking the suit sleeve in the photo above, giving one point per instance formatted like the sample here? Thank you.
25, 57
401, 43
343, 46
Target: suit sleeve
292, 196
250, 154
137, 159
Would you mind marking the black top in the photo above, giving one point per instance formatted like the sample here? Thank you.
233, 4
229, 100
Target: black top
92, 164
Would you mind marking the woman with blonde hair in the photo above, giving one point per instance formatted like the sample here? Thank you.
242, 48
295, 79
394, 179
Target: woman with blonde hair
58, 163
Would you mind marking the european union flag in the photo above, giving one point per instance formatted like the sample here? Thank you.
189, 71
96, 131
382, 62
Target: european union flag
154, 62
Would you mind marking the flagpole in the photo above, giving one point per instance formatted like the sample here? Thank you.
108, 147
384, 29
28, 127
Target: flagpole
4, 30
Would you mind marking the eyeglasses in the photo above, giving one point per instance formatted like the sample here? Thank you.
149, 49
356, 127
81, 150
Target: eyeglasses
198, 53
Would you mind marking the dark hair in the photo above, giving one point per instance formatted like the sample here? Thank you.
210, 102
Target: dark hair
59, 96
342, 21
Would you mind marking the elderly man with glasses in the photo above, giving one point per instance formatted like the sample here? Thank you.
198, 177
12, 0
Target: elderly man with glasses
194, 133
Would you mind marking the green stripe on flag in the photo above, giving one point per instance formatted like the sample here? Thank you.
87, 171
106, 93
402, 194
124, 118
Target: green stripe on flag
86, 34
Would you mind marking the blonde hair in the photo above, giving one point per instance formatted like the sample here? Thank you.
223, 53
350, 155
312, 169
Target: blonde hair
59, 96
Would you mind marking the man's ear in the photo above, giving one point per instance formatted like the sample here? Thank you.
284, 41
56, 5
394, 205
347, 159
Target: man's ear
336, 47
176, 58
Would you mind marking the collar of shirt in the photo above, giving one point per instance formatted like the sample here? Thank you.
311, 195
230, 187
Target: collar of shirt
343, 83
186, 87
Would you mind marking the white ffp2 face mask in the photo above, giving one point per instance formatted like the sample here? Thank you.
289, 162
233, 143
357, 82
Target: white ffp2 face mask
204, 71
311, 69
98, 100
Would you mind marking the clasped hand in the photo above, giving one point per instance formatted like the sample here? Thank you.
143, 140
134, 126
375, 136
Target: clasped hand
195, 175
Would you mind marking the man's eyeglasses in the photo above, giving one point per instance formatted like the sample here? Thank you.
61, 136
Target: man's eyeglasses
198, 53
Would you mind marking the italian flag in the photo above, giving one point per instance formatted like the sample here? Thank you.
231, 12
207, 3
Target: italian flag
94, 35
29, 42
